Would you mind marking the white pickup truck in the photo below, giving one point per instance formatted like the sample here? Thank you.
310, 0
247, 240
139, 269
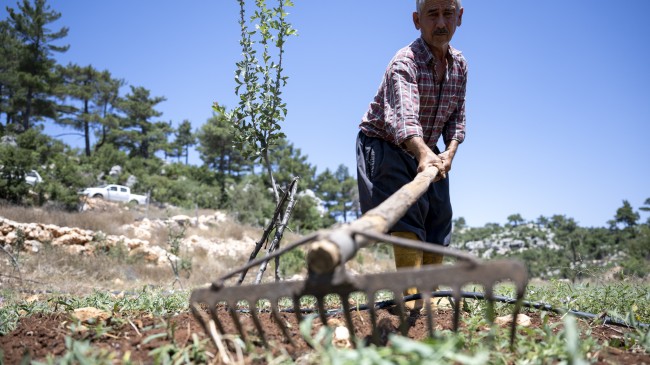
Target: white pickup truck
118, 193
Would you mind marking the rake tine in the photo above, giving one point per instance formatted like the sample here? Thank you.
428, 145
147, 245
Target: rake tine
196, 313
296, 308
347, 314
215, 319
320, 300
426, 298
235, 319
403, 322
373, 316
258, 324
490, 311
513, 326
280, 323
489, 297
456, 296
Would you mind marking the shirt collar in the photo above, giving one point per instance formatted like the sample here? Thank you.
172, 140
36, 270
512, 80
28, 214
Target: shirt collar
428, 55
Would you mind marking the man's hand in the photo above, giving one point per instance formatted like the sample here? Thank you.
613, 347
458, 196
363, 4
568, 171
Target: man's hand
448, 156
426, 157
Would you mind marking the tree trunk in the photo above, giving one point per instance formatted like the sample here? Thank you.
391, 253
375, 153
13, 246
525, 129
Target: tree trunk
86, 129
28, 108
279, 232
267, 162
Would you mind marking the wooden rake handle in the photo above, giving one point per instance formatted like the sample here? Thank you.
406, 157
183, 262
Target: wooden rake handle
341, 244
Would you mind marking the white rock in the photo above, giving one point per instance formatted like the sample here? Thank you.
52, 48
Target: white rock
522, 320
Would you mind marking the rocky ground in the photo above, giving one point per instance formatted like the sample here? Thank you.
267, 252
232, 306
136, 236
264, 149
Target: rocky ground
136, 238
45, 334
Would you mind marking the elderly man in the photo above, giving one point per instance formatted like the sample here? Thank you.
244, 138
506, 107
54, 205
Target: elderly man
420, 99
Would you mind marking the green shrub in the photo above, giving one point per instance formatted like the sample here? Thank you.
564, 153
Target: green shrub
251, 201
292, 262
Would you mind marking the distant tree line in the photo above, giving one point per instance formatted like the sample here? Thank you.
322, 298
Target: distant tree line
128, 130
585, 252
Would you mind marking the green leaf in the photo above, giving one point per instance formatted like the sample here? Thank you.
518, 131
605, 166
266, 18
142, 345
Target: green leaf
153, 337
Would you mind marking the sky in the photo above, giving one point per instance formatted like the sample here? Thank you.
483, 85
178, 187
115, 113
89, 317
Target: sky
558, 94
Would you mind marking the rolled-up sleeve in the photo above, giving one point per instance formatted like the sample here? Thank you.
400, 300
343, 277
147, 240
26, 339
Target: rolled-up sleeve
401, 104
455, 126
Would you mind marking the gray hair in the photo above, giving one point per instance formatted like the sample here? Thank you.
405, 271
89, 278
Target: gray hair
419, 3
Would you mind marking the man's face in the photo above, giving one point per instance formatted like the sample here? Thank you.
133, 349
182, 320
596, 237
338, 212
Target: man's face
437, 22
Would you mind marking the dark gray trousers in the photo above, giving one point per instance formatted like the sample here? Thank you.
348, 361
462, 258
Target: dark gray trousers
383, 168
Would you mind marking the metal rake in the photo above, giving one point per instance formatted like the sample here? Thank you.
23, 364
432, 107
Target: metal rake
327, 275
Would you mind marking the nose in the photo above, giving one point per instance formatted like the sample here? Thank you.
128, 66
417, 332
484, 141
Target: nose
440, 22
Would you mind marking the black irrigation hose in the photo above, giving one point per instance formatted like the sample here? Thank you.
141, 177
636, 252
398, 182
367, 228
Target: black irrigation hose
446, 294
499, 298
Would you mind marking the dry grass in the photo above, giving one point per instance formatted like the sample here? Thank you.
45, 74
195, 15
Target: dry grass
227, 229
55, 269
108, 221
373, 259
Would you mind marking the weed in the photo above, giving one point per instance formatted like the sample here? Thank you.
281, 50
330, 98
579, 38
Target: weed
16, 309
175, 353
620, 299
177, 262
81, 352
19, 243
401, 351
194, 353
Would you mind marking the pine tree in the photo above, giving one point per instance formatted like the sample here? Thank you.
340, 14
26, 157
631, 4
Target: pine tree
10, 48
288, 162
216, 147
646, 205
338, 191
35, 69
107, 101
138, 133
80, 85
347, 193
626, 216
184, 139
515, 219
327, 188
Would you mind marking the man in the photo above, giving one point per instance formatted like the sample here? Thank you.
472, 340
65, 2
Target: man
421, 98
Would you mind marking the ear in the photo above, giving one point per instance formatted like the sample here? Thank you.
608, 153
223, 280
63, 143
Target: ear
460, 17
416, 20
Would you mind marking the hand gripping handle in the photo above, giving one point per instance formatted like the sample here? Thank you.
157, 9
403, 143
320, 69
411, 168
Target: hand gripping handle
342, 244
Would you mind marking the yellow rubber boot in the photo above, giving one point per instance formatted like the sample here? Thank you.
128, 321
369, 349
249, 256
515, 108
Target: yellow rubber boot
429, 258
408, 258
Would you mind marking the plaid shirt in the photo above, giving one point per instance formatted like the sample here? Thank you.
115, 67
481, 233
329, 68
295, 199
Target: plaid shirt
409, 103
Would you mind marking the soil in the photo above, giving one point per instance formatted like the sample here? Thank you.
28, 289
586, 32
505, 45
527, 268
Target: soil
44, 335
